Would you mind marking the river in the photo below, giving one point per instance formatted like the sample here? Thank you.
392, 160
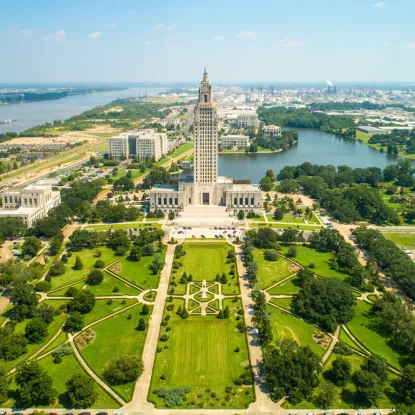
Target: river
313, 146
31, 114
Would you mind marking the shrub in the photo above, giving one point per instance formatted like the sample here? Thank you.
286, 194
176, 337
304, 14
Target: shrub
43, 286
99, 263
271, 254
71, 292
124, 369
292, 252
95, 277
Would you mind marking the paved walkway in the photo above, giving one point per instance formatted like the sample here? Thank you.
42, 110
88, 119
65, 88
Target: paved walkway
142, 387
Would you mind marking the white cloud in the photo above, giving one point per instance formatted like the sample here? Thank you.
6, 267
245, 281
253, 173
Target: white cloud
247, 35
410, 45
287, 43
95, 35
379, 5
158, 26
59, 36
171, 27
110, 25
220, 37
26, 32
149, 42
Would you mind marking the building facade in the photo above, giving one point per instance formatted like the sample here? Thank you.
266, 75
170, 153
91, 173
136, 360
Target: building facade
271, 131
247, 120
141, 144
240, 141
30, 203
206, 187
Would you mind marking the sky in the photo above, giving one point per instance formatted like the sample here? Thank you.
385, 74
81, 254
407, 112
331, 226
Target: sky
238, 41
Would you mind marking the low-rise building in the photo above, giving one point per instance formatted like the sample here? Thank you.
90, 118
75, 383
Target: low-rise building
271, 131
248, 120
30, 203
143, 144
240, 141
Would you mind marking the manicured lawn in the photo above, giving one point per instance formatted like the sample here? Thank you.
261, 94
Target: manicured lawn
102, 309
107, 287
363, 328
270, 272
139, 272
287, 287
286, 325
58, 341
346, 339
306, 256
403, 239
206, 259
112, 226
115, 337
282, 302
182, 149
286, 219
62, 291
201, 354
88, 257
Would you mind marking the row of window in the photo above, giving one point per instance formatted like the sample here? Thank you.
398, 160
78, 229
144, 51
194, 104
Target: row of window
176, 201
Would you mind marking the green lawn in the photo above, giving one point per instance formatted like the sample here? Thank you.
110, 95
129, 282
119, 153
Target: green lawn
107, 287
282, 302
182, 149
115, 337
88, 257
286, 219
139, 272
102, 309
58, 341
287, 287
363, 328
62, 292
306, 256
402, 239
206, 259
286, 325
201, 354
344, 337
112, 226
270, 272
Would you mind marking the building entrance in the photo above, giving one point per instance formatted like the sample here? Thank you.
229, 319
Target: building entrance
205, 198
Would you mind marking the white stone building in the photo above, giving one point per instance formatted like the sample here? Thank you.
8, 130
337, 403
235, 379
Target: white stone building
240, 141
30, 203
206, 187
247, 120
142, 144
271, 131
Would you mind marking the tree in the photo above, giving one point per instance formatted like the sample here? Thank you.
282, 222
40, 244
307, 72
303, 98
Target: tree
341, 371
123, 184
74, 323
241, 215
405, 385
171, 215
36, 330
266, 184
4, 385
25, 299
95, 277
271, 254
292, 251
278, 214
57, 269
368, 385
226, 312
83, 302
157, 264
35, 385
78, 263
269, 173
99, 263
31, 246
145, 311
124, 369
326, 395
141, 325
224, 279
135, 254
81, 391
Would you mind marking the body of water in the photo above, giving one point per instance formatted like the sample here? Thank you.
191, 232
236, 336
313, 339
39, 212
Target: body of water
35, 113
313, 146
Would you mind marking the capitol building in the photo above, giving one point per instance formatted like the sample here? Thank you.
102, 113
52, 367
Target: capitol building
206, 187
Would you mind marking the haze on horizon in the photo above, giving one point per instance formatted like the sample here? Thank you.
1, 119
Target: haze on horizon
239, 41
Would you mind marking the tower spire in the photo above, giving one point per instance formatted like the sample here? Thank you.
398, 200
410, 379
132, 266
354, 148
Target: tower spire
205, 74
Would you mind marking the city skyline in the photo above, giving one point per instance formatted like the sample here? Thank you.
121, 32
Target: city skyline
357, 42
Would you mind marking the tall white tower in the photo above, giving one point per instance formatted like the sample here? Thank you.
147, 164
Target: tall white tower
206, 137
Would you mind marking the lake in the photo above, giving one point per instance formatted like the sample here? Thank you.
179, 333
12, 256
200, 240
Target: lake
313, 146
31, 114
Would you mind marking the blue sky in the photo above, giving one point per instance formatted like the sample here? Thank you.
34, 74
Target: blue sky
240, 41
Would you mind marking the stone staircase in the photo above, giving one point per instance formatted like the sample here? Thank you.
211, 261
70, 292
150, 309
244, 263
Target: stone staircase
205, 216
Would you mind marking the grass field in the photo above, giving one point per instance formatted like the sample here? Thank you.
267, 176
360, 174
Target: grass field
363, 328
115, 337
201, 354
270, 272
107, 286
282, 302
88, 257
139, 272
286, 325
287, 287
344, 337
58, 341
402, 239
102, 309
61, 292
181, 149
206, 259
286, 219
113, 226
306, 256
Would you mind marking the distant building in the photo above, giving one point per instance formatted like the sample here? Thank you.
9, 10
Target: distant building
142, 144
247, 120
240, 141
171, 121
30, 203
271, 131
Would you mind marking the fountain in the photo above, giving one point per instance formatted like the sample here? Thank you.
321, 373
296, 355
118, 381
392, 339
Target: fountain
204, 290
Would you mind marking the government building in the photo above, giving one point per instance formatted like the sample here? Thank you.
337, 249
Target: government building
206, 188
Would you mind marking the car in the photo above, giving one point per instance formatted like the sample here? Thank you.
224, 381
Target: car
85, 413
102, 413
203, 236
